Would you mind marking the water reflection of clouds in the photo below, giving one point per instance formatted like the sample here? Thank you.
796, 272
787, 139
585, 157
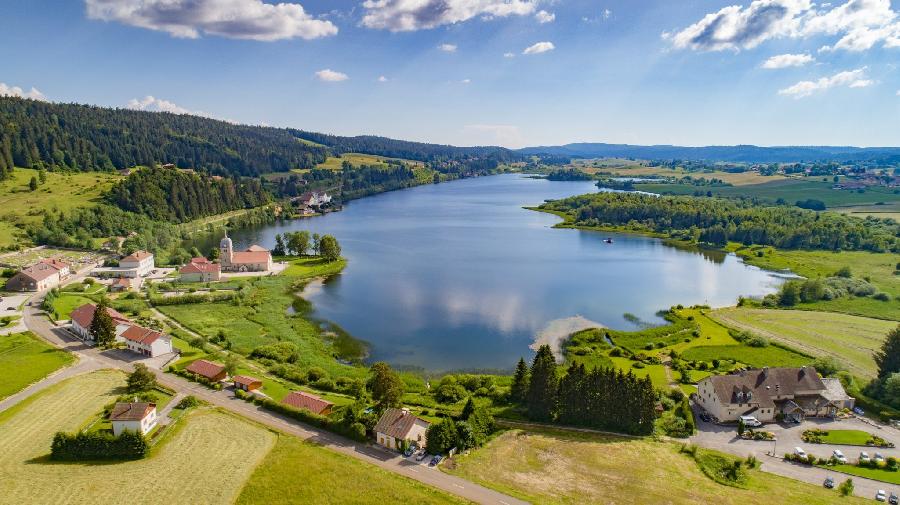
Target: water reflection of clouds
504, 312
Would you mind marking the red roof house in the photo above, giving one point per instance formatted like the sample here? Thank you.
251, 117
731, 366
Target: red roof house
310, 402
211, 371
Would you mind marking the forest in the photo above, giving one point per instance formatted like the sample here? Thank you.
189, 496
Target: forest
57, 136
177, 196
718, 221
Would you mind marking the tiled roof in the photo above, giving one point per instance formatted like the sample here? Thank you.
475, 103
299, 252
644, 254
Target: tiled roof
245, 380
39, 271
304, 400
84, 314
240, 257
136, 256
765, 384
123, 281
131, 411
55, 263
199, 259
196, 268
205, 368
257, 248
141, 335
396, 423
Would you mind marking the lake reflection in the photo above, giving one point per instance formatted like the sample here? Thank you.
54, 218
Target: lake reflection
459, 276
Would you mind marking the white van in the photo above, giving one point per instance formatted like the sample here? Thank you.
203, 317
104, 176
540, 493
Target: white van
751, 421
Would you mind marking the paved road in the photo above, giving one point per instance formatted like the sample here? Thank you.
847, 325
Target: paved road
94, 358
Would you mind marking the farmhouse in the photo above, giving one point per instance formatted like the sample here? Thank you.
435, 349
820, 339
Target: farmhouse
254, 259
120, 284
200, 270
138, 262
214, 372
396, 425
82, 316
771, 394
310, 402
146, 341
40, 276
138, 417
246, 383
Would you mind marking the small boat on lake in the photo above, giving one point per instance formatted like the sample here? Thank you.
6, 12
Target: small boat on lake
608, 241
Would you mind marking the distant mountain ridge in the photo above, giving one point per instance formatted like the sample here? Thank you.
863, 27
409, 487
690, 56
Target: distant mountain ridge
737, 153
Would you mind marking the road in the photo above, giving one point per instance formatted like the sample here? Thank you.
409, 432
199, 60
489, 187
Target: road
91, 358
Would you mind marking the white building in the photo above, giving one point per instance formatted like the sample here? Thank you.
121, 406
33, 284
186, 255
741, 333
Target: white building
146, 341
46, 274
137, 264
398, 424
253, 259
82, 316
139, 417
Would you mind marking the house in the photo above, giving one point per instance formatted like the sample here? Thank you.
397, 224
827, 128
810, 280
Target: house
139, 417
38, 277
136, 264
120, 284
396, 425
253, 259
145, 341
200, 270
213, 372
246, 383
314, 199
82, 316
310, 402
771, 394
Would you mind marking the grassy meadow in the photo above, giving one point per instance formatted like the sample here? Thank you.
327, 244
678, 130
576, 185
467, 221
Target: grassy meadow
357, 159
296, 471
851, 340
26, 359
556, 467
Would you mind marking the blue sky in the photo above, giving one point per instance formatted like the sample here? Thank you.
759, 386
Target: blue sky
767, 72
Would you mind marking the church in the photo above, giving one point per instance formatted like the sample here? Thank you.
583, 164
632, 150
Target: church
254, 259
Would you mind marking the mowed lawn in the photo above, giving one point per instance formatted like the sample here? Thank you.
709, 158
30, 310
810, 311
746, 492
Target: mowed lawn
301, 472
849, 339
206, 459
26, 359
555, 467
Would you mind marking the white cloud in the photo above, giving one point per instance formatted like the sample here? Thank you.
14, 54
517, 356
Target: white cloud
850, 78
382, 79
466, 81
898, 92
787, 60
34, 94
509, 55
494, 134
329, 75
544, 17
237, 19
411, 15
152, 104
540, 47
860, 25
447, 48
607, 13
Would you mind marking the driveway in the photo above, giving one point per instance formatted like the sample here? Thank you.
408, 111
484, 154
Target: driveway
9, 306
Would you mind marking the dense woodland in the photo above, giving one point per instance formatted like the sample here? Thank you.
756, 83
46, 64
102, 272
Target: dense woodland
57, 136
717, 221
178, 196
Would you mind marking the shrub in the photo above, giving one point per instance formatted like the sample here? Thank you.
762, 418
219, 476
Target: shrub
882, 296
188, 402
353, 430
615, 352
96, 445
846, 487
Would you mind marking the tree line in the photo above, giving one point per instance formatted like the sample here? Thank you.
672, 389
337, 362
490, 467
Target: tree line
717, 221
602, 398
177, 196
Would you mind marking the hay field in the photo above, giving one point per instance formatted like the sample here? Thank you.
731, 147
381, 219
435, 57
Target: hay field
206, 458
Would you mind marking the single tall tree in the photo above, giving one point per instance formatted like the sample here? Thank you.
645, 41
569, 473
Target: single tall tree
519, 388
385, 385
329, 248
888, 358
543, 386
141, 379
103, 328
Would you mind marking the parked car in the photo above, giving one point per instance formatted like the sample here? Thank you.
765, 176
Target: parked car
409, 451
893, 499
879, 458
751, 421
798, 451
829, 482
838, 455
881, 495
864, 457
435, 460
421, 455
858, 411
705, 417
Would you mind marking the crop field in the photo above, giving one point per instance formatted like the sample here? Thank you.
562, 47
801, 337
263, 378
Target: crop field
889, 211
62, 191
851, 340
296, 471
180, 470
25, 359
737, 179
556, 467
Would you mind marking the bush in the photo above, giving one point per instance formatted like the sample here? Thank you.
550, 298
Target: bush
846, 487
882, 296
93, 446
354, 430
188, 402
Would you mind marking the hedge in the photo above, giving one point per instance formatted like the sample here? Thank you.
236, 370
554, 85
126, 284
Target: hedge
186, 299
355, 431
93, 446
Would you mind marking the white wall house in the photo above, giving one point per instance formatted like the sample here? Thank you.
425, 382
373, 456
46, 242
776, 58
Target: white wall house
146, 341
396, 425
82, 316
138, 417
137, 264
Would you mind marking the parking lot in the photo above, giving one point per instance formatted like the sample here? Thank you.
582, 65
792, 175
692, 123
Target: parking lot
9, 306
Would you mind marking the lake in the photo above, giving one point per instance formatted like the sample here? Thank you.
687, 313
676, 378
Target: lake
458, 276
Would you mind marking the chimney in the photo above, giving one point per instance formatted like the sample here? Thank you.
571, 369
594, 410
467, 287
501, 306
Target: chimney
405, 411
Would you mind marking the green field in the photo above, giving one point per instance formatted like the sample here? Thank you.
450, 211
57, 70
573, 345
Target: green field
851, 340
756, 357
846, 437
62, 191
300, 472
357, 159
887, 211
25, 359
892, 477
65, 303
556, 467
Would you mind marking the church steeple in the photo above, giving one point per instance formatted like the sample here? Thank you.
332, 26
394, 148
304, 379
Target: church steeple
225, 250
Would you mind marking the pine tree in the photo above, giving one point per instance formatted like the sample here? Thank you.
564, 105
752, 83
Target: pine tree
103, 329
468, 410
888, 358
519, 388
542, 388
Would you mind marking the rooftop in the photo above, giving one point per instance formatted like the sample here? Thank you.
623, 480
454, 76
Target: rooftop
131, 411
304, 400
397, 423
